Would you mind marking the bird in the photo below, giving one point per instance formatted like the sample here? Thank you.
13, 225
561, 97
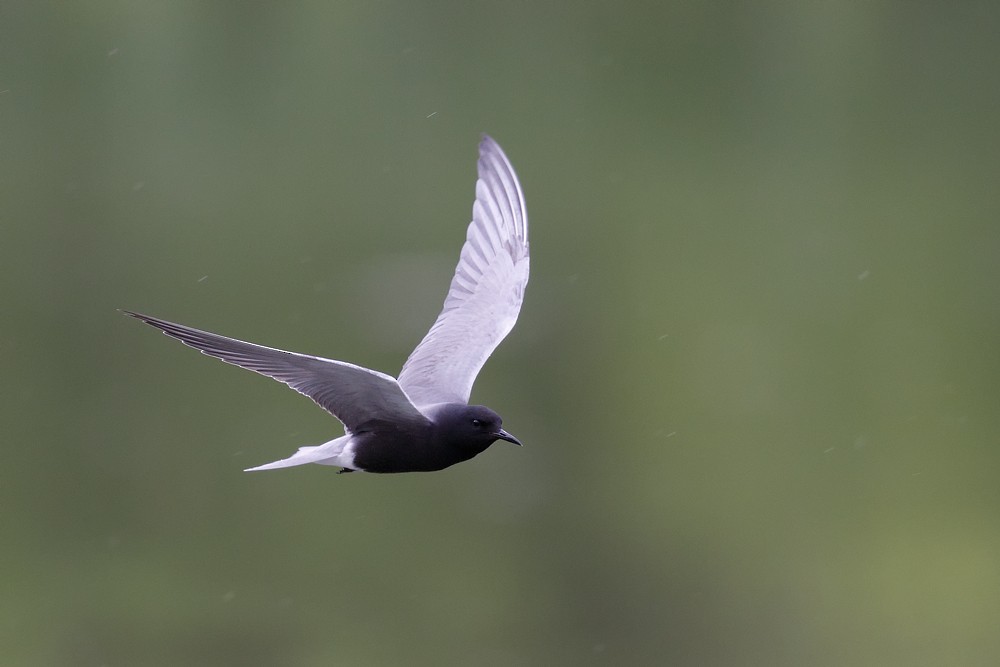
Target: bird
421, 421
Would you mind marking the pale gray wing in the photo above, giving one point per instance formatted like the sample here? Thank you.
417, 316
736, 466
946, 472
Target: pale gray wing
352, 394
486, 292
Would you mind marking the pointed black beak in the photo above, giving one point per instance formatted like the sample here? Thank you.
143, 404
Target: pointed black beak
504, 435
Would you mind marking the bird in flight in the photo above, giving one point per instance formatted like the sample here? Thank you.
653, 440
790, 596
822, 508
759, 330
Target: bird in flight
421, 421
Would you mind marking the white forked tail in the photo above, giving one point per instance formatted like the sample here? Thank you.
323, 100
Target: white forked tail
333, 453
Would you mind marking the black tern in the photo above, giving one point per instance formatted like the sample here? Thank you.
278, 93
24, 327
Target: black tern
421, 421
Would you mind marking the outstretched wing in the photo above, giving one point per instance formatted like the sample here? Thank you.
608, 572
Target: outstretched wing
352, 394
486, 292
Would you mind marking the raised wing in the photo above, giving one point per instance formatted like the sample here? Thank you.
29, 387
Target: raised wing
486, 292
352, 394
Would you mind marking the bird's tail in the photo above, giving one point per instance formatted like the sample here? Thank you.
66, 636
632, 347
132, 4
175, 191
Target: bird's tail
329, 453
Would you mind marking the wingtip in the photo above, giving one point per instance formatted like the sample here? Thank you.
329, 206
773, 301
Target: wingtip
489, 148
488, 143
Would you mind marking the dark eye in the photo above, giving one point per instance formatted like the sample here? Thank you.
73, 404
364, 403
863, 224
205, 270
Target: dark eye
477, 423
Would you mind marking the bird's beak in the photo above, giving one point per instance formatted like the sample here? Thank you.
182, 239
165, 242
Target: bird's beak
504, 435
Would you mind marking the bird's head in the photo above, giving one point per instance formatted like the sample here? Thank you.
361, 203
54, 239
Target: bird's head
473, 426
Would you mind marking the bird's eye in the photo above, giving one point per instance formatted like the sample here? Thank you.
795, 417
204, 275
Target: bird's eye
477, 423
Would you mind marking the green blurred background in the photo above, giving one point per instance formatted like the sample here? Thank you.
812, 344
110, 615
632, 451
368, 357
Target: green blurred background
756, 371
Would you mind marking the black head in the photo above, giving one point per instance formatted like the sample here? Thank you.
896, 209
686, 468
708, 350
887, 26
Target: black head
472, 426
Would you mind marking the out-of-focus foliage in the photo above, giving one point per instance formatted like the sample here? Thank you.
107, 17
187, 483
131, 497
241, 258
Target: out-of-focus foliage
756, 373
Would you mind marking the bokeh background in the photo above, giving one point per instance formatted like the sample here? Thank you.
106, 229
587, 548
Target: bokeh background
756, 371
